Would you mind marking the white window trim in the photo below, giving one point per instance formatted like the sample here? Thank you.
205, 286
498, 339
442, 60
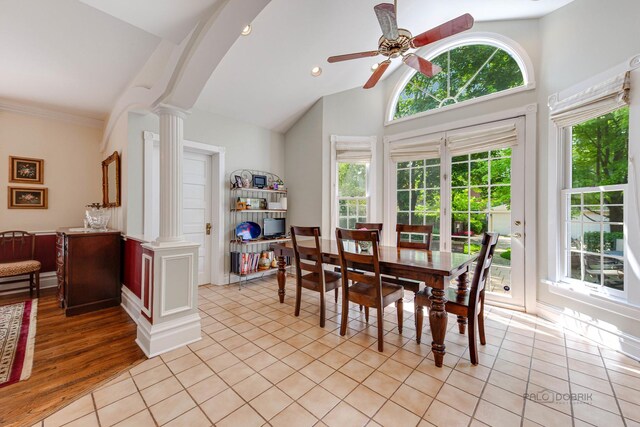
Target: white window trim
559, 162
372, 195
492, 39
530, 225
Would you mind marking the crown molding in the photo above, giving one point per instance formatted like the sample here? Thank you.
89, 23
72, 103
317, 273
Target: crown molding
31, 110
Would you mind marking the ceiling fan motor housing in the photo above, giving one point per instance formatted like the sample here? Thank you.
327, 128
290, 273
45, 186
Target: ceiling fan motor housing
397, 47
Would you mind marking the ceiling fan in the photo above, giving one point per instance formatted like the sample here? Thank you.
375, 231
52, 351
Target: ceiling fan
396, 42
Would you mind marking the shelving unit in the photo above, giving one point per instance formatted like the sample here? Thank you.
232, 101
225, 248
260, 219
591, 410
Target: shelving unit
237, 216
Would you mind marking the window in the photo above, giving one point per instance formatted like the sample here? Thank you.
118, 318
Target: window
596, 175
468, 71
418, 197
353, 199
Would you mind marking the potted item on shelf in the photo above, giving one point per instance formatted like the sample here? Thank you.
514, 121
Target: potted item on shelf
274, 263
241, 206
97, 217
246, 183
264, 263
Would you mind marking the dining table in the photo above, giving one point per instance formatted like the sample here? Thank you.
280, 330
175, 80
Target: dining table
437, 269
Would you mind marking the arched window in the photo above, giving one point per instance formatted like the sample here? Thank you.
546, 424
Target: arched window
471, 69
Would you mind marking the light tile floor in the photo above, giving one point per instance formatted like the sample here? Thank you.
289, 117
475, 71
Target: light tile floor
259, 365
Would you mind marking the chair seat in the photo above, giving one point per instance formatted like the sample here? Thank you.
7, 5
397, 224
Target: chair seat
455, 304
312, 281
390, 292
17, 268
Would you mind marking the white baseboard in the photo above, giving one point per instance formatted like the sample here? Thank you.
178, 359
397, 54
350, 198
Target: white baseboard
626, 344
158, 339
47, 280
131, 303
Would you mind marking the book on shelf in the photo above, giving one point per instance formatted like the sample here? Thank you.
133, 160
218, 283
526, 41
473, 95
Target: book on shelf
247, 262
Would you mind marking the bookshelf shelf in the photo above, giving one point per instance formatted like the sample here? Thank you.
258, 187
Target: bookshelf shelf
260, 241
259, 190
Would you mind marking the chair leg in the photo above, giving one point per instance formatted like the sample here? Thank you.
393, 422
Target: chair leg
419, 321
298, 299
380, 329
360, 307
322, 318
399, 308
344, 314
366, 314
483, 339
335, 291
473, 344
38, 285
31, 285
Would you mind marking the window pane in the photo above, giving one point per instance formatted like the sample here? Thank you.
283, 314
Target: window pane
352, 179
613, 272
468, 72
420, 204
479, 172
403, 179
432, 177
403, 200
501, 171
459, 174
417, 178
402, 218
599, 150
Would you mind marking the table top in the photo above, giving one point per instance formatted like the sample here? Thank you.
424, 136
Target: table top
432, 262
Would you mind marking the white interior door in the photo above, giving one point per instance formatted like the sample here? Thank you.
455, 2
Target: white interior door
196, 205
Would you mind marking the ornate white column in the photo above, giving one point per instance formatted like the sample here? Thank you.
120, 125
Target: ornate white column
171, 155
169, 315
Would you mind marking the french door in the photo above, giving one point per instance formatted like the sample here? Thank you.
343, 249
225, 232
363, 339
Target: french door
466, 182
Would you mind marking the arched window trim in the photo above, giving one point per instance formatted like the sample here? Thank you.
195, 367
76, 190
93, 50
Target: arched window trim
492, 39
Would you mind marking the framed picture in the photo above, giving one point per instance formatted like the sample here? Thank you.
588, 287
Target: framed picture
28, 198
25, 170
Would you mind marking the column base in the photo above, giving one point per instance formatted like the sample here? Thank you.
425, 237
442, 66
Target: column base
157, 339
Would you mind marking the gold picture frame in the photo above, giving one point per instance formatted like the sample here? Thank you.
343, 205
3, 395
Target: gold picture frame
24, 170
28, 198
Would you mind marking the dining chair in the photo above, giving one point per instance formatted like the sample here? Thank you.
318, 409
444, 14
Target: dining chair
368, 290
309, 258
426, 231
17, 249
470, 305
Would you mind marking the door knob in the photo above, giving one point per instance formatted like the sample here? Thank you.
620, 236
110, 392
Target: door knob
208, 228
518, 222
517, 235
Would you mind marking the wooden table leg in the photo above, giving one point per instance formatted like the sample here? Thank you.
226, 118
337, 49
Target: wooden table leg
282, 277
462, 291
438, 324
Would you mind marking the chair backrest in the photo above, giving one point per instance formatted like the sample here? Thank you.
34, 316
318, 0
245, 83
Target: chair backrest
350, 258
308, 258
483, 265
17, 246
370, 226
426, 230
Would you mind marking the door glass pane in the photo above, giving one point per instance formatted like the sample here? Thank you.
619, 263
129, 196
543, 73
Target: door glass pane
481, 202
418, 197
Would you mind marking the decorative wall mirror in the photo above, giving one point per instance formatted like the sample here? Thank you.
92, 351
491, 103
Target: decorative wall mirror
111, 181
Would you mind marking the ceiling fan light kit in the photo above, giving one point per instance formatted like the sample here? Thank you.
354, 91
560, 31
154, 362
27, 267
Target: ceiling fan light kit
396, 42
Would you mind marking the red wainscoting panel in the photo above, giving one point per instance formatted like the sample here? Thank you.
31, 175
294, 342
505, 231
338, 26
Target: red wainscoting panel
132, 266
45, 252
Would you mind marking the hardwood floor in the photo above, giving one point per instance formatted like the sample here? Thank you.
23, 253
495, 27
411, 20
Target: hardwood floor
72, 355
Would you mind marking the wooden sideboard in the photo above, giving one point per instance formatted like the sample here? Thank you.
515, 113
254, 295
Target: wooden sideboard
88, 270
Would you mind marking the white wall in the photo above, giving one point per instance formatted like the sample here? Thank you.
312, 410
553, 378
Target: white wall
72, 170
303, 169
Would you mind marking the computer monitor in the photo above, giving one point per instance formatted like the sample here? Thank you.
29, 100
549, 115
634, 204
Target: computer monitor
273, 228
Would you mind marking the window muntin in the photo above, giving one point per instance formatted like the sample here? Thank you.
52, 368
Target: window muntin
353, 199
468, 72
594, 212
418, 197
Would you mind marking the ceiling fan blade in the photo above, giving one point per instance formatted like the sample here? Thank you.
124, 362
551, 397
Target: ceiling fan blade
427, 68
349, 56
386, 13
455, 26
373, 80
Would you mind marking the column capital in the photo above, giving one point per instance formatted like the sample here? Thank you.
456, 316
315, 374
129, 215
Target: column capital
166, 109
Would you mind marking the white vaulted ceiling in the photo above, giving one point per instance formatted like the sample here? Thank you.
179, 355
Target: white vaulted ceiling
265, 78
80, 55
66, 54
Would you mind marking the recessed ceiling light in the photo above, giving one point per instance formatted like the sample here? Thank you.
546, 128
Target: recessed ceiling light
316, 71
246, 30
375, 66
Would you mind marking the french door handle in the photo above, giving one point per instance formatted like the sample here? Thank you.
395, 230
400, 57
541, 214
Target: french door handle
516, 235
208, 228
